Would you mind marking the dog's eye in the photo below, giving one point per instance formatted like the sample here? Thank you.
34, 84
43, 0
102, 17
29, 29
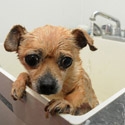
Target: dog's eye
32, 60
66, 62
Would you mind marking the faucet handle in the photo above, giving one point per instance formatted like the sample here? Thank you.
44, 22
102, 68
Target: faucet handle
117, 31
107, 28
123, 32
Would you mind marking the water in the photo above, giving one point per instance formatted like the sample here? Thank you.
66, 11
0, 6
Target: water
92, 28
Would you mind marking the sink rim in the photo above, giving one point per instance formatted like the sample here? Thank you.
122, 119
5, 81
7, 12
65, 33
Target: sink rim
116, 38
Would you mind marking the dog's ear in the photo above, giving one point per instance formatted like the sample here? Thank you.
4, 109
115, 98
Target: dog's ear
83, 38
13, 38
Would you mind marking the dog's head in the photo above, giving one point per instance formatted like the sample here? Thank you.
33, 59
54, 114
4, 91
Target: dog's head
50, 54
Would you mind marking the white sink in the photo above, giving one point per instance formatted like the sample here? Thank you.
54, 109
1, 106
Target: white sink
106, 66
115, 38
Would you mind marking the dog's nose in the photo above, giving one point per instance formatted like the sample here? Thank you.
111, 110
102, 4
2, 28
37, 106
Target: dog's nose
47, 85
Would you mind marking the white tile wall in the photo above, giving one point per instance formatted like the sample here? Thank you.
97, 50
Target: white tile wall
69, 13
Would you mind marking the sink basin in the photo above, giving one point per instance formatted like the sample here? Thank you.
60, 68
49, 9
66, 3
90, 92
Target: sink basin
106, 69
116, 38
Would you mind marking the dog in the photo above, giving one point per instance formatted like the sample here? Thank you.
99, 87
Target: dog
50, 54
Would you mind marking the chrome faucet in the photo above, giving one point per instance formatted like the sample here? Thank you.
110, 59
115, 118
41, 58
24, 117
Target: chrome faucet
118, 25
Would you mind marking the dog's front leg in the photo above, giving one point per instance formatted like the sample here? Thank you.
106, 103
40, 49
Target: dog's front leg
78, 102
57, 106
70, 104
19, 86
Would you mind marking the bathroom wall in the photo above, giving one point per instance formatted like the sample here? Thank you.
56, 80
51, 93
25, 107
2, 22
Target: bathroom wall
69, 13
34, 13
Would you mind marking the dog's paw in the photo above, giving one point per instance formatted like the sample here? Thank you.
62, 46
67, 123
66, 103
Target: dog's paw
59, 106
18, 90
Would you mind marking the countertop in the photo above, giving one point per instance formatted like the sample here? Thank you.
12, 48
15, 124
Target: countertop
112, 114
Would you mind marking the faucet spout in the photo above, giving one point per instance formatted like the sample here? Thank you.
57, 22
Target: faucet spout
118, 25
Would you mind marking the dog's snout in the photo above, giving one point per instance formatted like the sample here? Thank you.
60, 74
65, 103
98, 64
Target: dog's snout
47, 85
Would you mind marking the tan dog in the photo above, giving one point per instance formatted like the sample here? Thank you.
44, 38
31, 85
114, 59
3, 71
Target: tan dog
51, 56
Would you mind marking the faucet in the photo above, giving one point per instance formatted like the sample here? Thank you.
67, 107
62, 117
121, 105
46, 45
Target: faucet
118, 25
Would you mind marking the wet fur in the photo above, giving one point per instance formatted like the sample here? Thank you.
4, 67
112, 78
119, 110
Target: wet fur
75, 94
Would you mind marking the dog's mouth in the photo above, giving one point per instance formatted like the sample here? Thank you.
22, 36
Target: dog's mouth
47, 85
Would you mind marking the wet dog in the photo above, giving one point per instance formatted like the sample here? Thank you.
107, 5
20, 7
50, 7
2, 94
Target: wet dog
50, 54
